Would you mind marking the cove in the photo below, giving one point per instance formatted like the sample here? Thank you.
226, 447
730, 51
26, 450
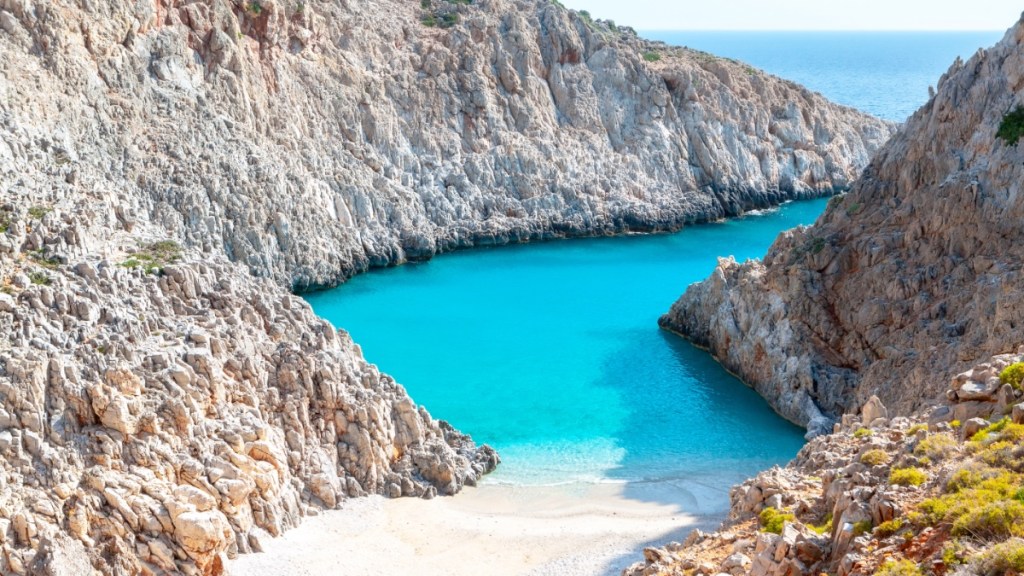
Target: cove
551, 353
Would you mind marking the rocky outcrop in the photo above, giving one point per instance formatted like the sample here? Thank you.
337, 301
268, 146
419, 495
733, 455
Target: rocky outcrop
914, 272
876, 491
311, 140
163, 419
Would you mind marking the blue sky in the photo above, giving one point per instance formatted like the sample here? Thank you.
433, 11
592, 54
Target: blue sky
806, 14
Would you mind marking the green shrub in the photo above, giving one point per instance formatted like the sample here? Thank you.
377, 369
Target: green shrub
1004, 558
965, 478
652, 56
825, 527
1013, 375
862, 433
874, 457
40, 258
429, 21
984, 504
862, 527
888, 528
937, 446
40, 278
1012, 126
155, 256
899, 568
37, 212
951, 552
916, 428
998, 519
449, 20
773, 520
255, 7
907, 477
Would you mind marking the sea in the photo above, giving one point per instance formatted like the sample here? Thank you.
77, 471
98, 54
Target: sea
551, 353
886, 74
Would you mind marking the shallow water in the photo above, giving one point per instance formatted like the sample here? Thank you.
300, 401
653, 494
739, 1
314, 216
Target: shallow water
551, 353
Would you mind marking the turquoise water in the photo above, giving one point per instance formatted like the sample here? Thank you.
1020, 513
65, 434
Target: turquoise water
551, 353
883, 73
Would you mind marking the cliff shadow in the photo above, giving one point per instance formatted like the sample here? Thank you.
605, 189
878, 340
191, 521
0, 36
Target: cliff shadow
690, 431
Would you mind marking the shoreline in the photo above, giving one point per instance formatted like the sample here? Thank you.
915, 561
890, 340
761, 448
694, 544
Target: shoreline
497, 529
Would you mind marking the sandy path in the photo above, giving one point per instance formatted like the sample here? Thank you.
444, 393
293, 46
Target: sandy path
494, 529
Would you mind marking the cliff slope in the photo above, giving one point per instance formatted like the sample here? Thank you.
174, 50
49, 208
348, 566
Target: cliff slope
912, 274
310, 140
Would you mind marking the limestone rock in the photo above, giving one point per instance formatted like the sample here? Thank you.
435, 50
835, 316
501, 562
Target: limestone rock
902, 281
61, 555
872, 410
973, 426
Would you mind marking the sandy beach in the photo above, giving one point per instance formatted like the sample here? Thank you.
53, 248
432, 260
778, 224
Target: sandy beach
494, 529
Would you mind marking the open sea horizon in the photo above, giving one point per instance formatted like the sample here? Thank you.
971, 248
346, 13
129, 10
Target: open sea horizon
886, 74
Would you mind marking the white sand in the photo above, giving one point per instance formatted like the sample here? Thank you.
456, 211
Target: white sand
493, 529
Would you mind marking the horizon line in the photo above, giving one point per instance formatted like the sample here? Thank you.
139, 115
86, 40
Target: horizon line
830, 30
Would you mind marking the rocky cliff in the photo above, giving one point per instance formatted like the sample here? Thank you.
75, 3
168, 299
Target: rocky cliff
170, 170
912, 274
157, 410
311, 140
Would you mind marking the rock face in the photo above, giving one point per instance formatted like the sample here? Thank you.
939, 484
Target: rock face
914, 272
311, 140
164, 419
170, 169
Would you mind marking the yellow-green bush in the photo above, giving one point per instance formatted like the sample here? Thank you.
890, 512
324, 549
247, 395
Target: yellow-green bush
936, 446
773, 520
983, 504
907, 476
862, 527
1009, 455
1013, 375
997, 519
888, 528
825, 527
1000, 559
874, 457
862, 433
916, 428
899, 568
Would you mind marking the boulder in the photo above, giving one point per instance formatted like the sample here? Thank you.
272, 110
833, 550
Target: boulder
973, 426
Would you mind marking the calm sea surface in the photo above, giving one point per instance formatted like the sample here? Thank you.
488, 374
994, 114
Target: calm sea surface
883, 73
551, 352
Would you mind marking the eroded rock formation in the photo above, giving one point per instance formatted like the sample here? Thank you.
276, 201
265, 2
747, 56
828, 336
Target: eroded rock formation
913, 273
164, 419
